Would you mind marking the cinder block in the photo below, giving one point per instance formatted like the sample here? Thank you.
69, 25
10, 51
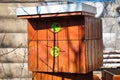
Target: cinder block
13, 40
13, 55
13, 25
14, 70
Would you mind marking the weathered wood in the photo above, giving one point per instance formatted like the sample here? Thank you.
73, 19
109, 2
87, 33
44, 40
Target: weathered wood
79, 41
111, 74
57, 15
93, 28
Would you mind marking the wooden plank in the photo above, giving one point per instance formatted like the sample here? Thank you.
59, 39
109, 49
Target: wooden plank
71, 28
52, 15
42, 29
111, 74
93, 55
100, 29
62, 34
116, 77
106, 76
42, 56
81, 29
83, 57
52, 61
33, 56
86, 28
73, 54
93, 28
63, 57
87, 54
32, 33
76, 28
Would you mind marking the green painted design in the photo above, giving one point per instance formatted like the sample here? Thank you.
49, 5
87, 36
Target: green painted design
55, 51
55, 27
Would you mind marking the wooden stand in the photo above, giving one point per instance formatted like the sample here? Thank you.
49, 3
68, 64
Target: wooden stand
62, 76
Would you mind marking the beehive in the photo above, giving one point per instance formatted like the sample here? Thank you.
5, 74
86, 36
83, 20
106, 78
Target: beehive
68, 41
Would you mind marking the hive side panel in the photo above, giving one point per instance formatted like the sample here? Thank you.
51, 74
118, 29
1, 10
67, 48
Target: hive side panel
93, 39
93, 28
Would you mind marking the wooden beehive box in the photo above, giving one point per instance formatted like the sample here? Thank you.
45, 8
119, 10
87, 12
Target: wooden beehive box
68, 41
111, 74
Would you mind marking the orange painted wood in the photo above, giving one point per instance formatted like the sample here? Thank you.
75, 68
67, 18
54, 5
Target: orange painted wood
95, 77
116, 77
72, 58
79, 41
33, 56
62, 76
32, 31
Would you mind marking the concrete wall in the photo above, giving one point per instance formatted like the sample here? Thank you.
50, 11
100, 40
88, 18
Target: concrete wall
13, 38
